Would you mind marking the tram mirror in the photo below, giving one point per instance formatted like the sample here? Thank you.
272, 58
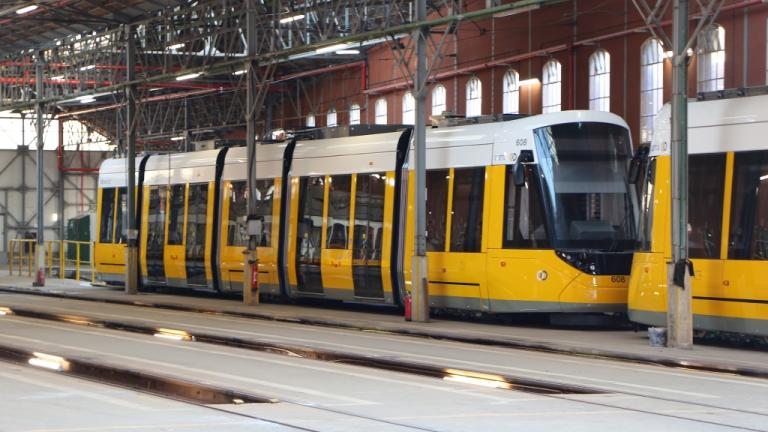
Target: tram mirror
519, 175
634, 170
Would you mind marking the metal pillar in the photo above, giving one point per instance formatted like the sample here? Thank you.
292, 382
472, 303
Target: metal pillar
420, 294
131, 120
40, 249
679, 318
250, 285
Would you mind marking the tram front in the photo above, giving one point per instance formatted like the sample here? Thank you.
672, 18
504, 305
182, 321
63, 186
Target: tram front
590, 205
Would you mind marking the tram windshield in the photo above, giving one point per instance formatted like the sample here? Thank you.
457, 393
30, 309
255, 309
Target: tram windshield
584, 171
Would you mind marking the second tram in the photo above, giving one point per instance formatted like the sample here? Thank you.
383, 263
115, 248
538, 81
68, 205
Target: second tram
727, 218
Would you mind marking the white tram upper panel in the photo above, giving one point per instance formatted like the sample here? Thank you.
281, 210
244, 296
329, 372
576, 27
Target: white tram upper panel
716, 126
112, 172
494, 143
178, 168
269, 162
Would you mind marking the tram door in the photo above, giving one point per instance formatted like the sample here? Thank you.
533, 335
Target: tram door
156, 234
337, 252
175, 272
197, 218
368, 235
309, 234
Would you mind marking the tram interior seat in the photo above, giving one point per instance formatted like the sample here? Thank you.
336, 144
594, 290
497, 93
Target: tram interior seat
592, 230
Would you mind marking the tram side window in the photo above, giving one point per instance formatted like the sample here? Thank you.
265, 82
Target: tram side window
706, 180
121, 205
524, 220
265, 194
310, 219
197, 214
156, 219
237, 232
749, 209
106, 225
467, 209
646, 212
437, 203
176, 217
340, 188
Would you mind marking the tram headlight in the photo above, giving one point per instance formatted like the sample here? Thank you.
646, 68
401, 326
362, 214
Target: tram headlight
579, 260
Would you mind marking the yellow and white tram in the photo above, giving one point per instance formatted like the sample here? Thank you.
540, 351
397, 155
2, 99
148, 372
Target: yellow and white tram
529, 215
728, 218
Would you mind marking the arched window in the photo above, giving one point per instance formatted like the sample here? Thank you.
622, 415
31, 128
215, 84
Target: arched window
354, 114
380, 111
551, 86
510, 99
331, 118
710, 63
474, 97
600, 81
310, 120
651, 86
438, 100
409, 109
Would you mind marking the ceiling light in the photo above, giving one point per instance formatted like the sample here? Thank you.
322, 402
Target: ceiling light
348, 52
177, 138
58, 78
240, 72
330, 48
188, 76
89, 67
175, 46
529, 81
87, 99
293, 18
26, 9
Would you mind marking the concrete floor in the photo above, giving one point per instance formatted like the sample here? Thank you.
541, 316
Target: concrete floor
326, 396
41, 401
600, 342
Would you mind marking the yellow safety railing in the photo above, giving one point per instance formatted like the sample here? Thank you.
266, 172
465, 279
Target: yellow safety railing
77, 262
21, 255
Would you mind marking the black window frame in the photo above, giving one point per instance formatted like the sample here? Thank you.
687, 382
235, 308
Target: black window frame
532, 183
437, 209
337, 230
467, 229
706, 196
176, 215
107, 219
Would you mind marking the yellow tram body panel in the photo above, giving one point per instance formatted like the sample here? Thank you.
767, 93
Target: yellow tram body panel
501, 280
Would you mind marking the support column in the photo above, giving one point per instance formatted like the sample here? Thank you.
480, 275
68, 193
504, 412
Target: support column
679, 317
250, 279
40, 249
131, 121
420, 294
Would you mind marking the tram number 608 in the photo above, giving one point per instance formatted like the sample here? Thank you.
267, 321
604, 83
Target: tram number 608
618, 279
